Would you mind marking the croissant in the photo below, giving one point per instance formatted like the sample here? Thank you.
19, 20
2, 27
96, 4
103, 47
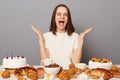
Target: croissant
32, 75
22, 78
100, 73
114, 68
29, 71
63, 76
78, 70
40, 72
67, 74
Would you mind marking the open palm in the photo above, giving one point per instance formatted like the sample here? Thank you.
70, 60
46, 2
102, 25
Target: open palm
39, 34
82, 34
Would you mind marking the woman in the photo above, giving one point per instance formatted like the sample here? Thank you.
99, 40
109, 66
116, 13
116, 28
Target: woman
61, 43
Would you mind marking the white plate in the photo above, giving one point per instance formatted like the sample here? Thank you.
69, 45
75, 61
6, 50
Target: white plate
15, 67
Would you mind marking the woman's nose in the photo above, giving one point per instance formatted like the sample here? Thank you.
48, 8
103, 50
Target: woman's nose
62, 16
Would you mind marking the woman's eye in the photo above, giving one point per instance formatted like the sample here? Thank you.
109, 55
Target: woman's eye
65, 14
58, 14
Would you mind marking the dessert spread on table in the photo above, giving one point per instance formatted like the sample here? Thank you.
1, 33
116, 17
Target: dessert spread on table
96, 68
14, 62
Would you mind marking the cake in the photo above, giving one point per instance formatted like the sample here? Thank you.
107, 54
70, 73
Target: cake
14, 62
99, 63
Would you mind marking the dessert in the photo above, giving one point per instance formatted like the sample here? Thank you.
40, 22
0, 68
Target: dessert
99, 72
40, 72
50, 71
14, 62
5, 74
115, 71
95, 59
30, 72
69, 73
97, 63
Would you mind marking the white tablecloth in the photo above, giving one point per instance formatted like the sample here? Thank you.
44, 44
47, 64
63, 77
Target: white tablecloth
36, 66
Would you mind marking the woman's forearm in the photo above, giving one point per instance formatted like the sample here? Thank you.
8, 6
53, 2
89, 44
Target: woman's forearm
43, 53
77, 54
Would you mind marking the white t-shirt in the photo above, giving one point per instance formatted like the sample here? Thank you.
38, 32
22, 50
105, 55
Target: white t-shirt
60, 47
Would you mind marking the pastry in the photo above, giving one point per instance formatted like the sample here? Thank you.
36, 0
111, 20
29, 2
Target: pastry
95, 59
97, 63
78, 70
11, 70
68, 73
40, 72
105, 60
5, 74
64, 76
115, 71
22, 78
99, 72
1, 72
30, 72
32, 75
114, 68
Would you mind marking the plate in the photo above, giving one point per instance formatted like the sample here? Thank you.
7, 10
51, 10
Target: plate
15, 67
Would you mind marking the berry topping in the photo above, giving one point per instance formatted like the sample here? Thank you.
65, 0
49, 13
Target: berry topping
18, 57
7, 57
22, 56
11, 57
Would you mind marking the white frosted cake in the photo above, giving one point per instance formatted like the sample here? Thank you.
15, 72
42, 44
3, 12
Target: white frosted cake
14, 62
97, 63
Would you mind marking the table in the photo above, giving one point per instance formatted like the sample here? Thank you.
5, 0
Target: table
36, 66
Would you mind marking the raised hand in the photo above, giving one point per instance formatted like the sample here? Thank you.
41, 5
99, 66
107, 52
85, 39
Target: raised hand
82, 34
39, 34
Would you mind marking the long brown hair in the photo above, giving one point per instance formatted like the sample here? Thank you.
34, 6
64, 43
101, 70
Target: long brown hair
69, 26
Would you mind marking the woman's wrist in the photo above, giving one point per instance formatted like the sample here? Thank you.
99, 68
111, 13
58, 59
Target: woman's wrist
80, 42
41, 43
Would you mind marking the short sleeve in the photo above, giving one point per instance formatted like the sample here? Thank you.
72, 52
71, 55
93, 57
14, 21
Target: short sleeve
46, 41
75, 40
75, 45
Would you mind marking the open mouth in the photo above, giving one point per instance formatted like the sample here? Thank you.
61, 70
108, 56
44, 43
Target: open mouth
61, 23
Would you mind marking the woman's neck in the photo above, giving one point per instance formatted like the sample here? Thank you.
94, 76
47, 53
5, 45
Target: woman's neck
61, 31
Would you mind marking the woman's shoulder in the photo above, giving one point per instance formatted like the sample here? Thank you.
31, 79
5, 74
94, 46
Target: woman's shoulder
74, 34
47, 34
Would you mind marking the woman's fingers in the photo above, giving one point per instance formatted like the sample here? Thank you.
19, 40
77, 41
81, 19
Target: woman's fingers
87, 30
35, 29
82, 34
39, 34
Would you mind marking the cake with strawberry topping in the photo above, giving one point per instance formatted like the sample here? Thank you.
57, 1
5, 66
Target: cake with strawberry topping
14, 62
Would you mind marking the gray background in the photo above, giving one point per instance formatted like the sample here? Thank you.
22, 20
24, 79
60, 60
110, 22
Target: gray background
17, 38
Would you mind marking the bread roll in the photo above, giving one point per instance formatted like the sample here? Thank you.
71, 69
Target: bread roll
5, 74
40, 72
